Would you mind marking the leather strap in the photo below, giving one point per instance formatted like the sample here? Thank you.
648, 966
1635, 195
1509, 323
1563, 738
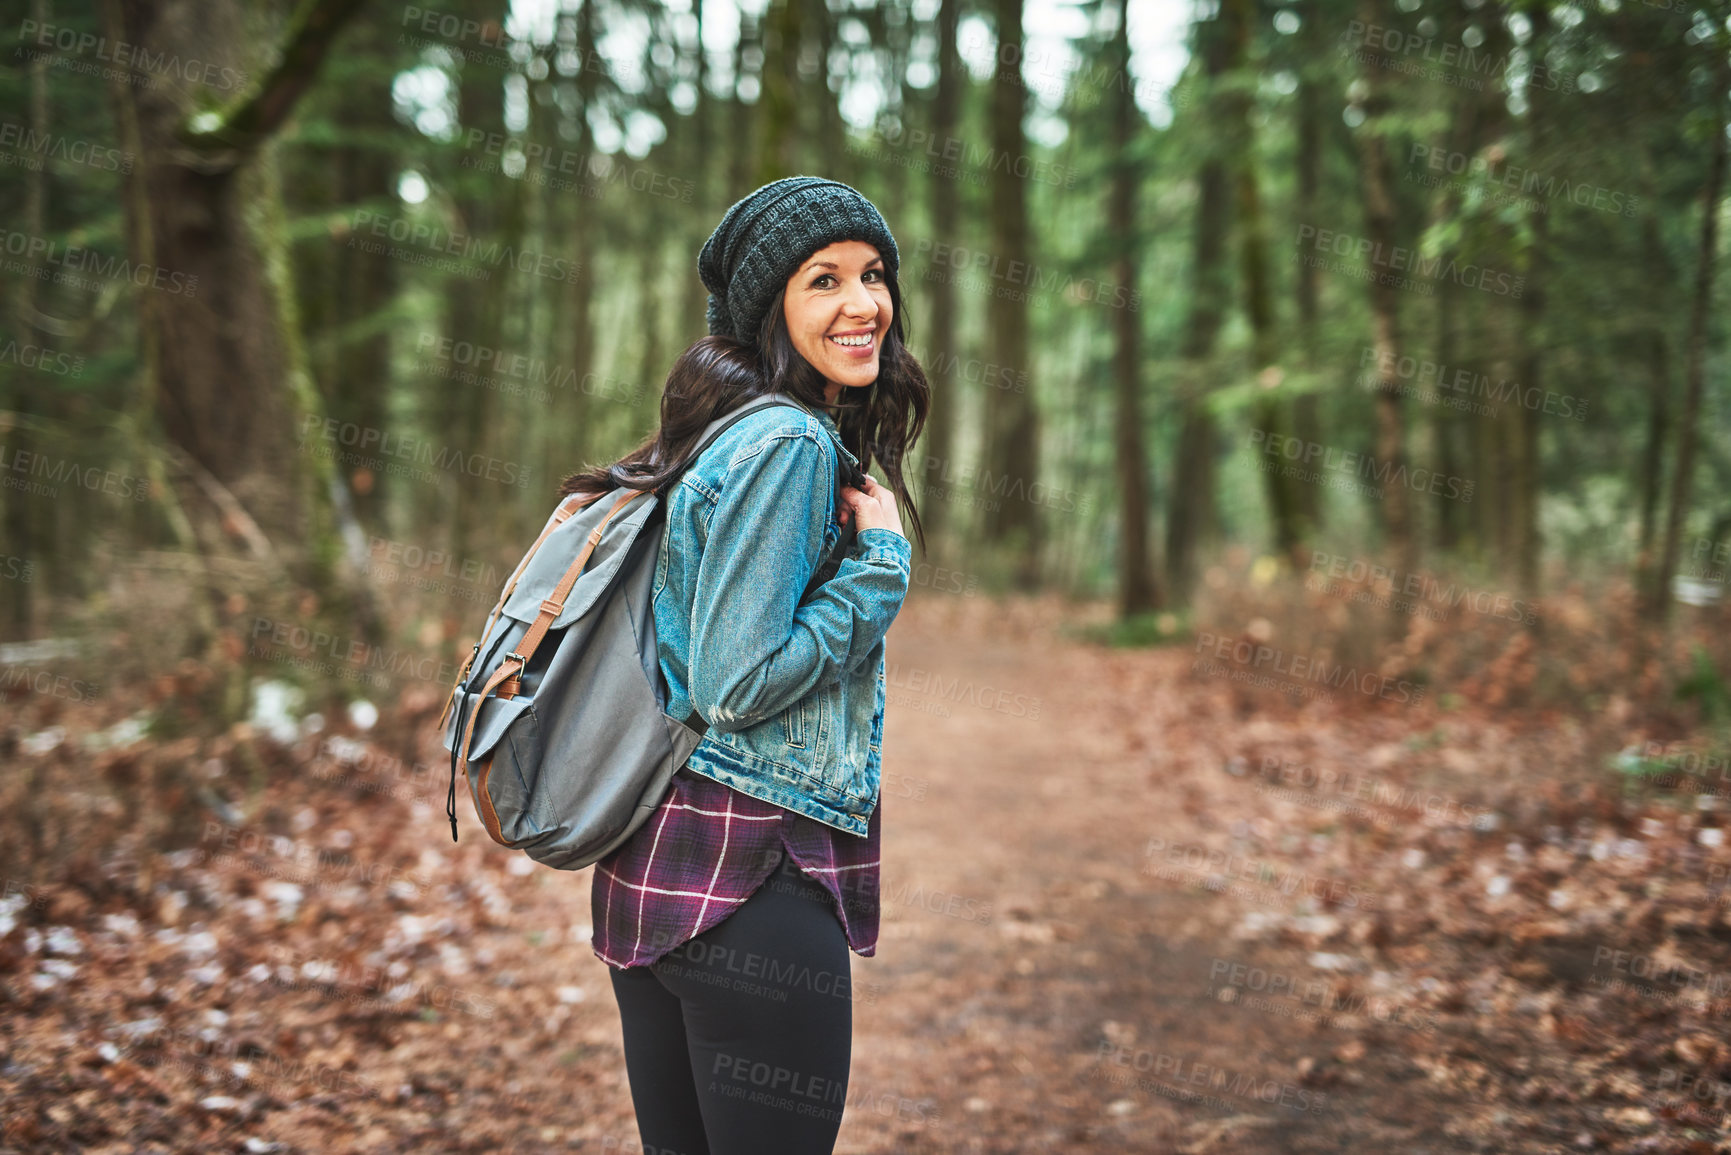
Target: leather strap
560, 517
551, 608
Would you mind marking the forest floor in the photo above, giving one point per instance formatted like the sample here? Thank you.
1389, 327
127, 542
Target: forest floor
1129, 906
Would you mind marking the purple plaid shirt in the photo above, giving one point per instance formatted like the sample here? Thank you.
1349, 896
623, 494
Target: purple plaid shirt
703, 852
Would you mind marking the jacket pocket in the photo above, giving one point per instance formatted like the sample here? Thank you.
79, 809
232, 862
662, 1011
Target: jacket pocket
796, 723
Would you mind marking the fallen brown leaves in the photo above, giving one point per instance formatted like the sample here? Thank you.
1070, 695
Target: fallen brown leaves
1491, 927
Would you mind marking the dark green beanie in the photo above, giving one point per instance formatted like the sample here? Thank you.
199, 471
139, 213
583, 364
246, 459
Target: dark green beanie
747, 260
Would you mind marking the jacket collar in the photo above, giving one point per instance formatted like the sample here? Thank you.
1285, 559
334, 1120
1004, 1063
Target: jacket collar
829, 423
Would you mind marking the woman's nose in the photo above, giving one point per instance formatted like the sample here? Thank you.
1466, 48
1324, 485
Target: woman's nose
860, 303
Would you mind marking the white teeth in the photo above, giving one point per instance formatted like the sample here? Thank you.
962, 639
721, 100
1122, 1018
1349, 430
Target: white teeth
862, 339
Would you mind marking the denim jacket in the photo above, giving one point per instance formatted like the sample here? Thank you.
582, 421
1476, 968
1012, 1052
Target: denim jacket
793, 693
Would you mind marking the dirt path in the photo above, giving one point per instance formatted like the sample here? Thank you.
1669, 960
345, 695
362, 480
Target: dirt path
1093, 941
1084, 1015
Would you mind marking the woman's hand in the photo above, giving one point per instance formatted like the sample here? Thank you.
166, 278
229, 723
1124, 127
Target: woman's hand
872, 508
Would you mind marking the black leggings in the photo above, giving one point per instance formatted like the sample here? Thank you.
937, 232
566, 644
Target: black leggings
738, 1041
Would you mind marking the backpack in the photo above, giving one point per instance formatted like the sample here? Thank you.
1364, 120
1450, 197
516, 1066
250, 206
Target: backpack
558, 715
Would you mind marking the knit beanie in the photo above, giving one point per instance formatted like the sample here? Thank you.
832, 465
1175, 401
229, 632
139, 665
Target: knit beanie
764, 237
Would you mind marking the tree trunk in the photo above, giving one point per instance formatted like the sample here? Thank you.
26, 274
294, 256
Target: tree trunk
1653, 459
746, 129
696, 299
1012, 448
1137, 591
825, 117
1652, 480
474, 307
20, 538
1190, 515
223, 347
1381, 229
1525, 497
940, 292
343, 291
1271, 416
1475, 113
584, 237
778, 110
1695, 367
1306, 420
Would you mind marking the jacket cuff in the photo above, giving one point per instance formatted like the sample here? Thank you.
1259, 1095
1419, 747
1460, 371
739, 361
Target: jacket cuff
881, 544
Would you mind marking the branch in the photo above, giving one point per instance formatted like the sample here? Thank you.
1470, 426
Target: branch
256, 116
235, 518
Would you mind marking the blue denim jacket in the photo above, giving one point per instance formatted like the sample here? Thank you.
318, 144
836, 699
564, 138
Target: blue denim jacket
793, 693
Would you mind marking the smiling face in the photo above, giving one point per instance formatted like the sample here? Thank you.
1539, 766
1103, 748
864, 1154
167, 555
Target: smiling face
837, 308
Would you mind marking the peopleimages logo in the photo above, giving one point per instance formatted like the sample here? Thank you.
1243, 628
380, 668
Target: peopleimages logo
1291, 774
300, 644
29, 144
41, 359
1010, 273
1404, 260
48, 473
1361, 465
1420, 586
70, 259
1460, 65
427, 240
1358, 34
1286, 879
1189, 1073
1452, 379
517, 373
67, 42
1526, 181
397, 453
1303, 668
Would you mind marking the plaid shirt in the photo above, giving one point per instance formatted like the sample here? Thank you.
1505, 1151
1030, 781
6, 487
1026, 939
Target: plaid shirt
703, 852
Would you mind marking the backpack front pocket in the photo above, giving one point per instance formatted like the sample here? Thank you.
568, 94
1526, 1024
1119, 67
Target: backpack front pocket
512, 779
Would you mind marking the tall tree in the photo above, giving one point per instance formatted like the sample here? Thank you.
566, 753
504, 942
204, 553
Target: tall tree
1190, 515
822, 86
702, 124
1271, 412
1658, 431
1700, 310
1381, 229
778, 105
475, 308
345, 295
15, 514
1138, 591
1314, 88
747, 131
224, 353
940, 437
1524, 495
1012, 437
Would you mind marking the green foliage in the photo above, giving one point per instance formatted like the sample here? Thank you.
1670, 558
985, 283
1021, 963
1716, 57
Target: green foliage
1705, 686
1139, 631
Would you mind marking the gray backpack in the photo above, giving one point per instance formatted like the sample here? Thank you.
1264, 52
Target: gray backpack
559, 712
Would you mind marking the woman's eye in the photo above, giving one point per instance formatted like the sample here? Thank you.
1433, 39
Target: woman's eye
818, 282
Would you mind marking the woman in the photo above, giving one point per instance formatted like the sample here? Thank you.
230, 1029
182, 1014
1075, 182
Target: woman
726, 920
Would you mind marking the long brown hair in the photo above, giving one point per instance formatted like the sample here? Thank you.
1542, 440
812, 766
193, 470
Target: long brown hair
715, 375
